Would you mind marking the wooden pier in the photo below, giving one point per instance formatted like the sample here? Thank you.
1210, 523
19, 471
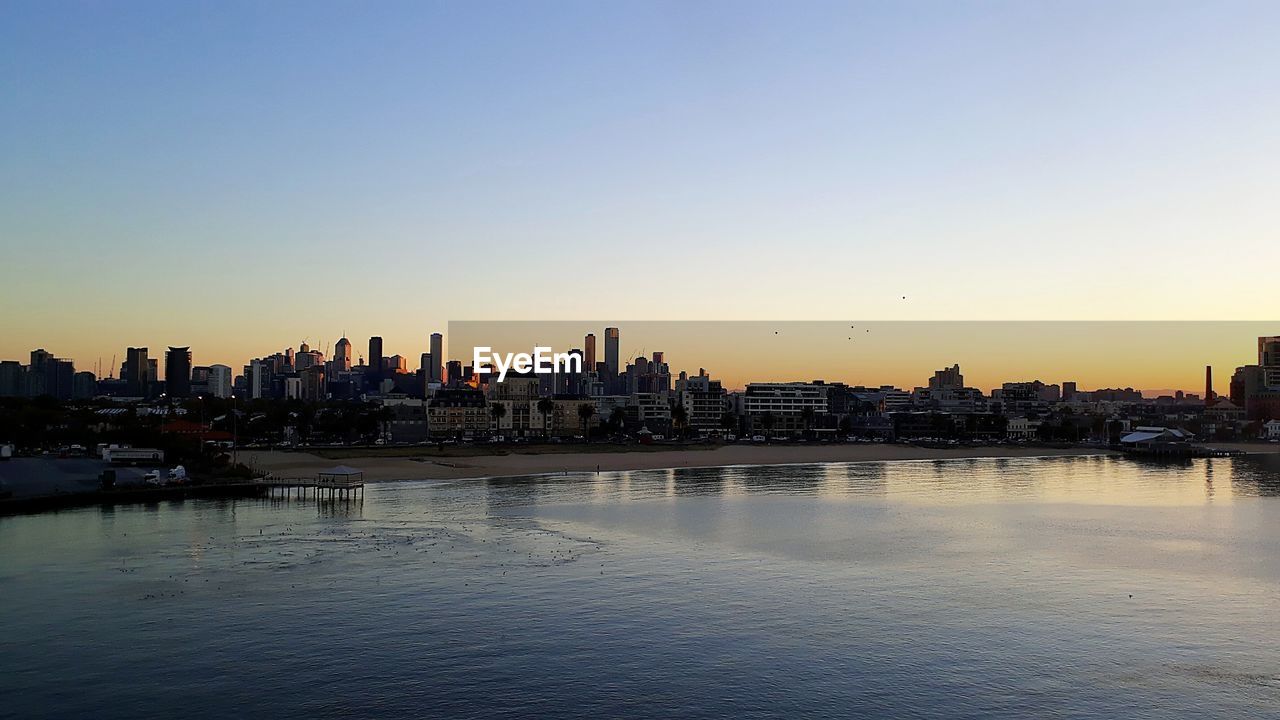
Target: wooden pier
339, 483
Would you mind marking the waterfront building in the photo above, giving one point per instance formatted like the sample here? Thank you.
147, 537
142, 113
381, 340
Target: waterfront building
703, 400
788, 407
457, 412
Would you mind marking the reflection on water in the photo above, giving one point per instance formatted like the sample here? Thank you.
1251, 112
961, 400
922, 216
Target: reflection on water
1081, 587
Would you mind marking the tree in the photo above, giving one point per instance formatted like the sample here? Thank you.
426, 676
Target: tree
585, 412
618, 419
546, 406
729, 421
680, 418
497, 411
806, 414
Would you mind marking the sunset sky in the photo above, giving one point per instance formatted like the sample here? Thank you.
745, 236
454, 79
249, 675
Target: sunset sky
239, 177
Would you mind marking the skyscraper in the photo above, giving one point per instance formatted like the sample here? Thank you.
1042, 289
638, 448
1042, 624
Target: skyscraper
342, 355
589, 352
177, 372
136, 372
220, 381
437, 358
1269, 359
611, 350
375, 357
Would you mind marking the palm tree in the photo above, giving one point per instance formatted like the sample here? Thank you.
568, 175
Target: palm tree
497, 411
680, 418
545, 406
618, 419
729, 421
806, 414
585, 412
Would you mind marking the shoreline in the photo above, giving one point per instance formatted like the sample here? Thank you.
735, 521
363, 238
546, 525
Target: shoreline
477, 467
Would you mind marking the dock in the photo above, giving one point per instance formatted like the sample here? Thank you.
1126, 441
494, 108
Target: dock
338, 483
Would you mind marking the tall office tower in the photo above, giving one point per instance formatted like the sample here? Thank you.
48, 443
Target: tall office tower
1068, 391
220, 381
84, 385
589, 352
437, 358
288, 357
455, 372
35, 374
375, 357
1269, 360
58, 378
136, 373
177, 372
11, 378
611, 350
342, 355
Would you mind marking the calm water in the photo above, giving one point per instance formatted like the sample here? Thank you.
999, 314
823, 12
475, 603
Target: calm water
969, 588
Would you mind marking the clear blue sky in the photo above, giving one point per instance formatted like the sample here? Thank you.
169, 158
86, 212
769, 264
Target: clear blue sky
240, 176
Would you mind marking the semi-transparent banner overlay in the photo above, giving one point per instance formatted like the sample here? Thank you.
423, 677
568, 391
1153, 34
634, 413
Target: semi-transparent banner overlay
1154, 358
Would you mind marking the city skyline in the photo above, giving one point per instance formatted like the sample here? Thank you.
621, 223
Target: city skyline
901, 354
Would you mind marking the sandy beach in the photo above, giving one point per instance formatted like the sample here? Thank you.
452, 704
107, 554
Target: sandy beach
305, 465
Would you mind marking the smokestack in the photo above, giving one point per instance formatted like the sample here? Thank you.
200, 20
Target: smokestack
1208, 385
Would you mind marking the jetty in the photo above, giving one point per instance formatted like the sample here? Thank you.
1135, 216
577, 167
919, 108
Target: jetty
341, 482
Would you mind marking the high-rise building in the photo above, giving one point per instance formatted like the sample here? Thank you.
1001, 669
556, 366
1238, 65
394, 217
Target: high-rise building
84, 385
136, 372
375, 357
1269, 359
312, 383
611, 350
342, 355
589, 352
1068, 391
12, 378
220, 381
947, 379
59, 376
177, 372
437, 358
454, 369
307, 358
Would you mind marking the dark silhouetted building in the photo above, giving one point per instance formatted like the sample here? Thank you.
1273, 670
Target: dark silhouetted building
136, 372
177, 372
374, 360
